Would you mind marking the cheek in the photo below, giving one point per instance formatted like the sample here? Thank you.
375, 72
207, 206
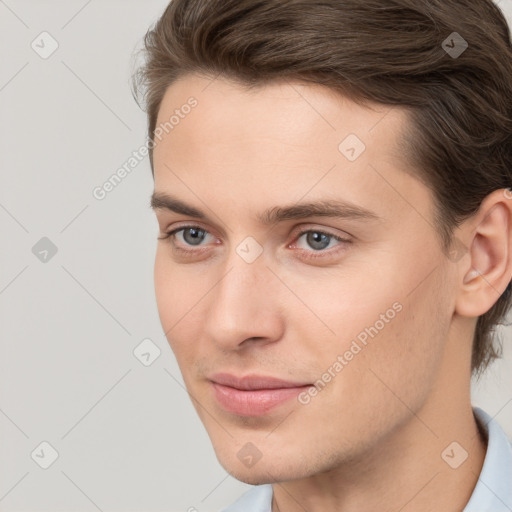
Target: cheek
177, 290
177, 287
400, 363
376, 330
343, 305
166, 295
379, 382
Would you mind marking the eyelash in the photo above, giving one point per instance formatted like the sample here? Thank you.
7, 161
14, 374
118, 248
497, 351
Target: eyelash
314, 254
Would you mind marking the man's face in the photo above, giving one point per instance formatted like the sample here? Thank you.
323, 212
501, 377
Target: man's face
365, 317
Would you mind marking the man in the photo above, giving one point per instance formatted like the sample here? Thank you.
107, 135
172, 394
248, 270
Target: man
335, 247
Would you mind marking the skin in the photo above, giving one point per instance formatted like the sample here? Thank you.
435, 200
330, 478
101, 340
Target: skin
372, 439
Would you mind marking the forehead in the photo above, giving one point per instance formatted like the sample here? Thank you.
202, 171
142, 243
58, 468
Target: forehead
287, 139
284, 109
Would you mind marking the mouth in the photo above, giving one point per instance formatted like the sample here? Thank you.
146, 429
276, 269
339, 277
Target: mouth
253, 395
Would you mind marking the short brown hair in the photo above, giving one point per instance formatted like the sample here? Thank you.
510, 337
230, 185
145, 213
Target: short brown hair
392, 52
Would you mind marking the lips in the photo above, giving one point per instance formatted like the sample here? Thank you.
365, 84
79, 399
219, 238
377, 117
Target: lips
253, 395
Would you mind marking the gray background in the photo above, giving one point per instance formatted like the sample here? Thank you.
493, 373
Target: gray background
126, 434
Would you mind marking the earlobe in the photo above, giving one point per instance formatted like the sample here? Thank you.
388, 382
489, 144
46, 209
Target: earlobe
489, 270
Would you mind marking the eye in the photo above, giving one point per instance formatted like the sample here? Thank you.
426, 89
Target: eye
319, 240
190, 235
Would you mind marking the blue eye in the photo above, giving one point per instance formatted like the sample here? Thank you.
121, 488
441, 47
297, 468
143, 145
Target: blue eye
193, 236
318, 240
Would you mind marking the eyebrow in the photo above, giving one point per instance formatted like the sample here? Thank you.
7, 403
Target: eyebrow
321, 208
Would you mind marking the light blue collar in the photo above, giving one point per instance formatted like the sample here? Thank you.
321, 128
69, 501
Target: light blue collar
493, 491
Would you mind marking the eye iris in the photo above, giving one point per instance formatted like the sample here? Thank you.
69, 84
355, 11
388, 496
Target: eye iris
314, 237
197, 235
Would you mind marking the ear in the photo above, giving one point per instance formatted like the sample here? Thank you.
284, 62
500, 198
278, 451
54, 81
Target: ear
487, 272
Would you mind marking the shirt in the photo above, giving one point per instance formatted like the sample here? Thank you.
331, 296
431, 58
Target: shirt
492, 493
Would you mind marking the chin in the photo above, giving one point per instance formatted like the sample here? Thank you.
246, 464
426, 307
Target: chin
265, 471
253, 478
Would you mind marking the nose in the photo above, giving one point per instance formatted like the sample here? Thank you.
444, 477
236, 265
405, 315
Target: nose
245, 306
